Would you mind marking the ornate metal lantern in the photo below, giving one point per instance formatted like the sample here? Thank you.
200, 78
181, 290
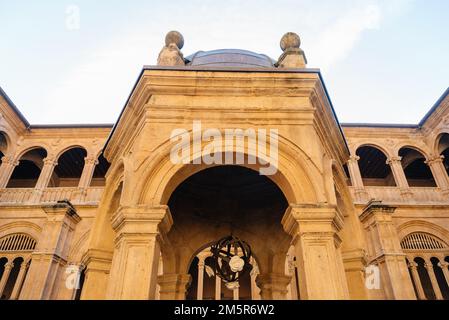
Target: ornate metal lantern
231, 259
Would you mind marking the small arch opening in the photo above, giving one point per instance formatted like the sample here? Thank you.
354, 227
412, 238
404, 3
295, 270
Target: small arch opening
374, 168
416, 171
27, 172
69, 169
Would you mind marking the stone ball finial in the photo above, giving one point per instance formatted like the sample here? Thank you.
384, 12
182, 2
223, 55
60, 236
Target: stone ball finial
290, 40
176, 38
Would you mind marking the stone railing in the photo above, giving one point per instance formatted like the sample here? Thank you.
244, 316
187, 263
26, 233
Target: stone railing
18, 196
394, 195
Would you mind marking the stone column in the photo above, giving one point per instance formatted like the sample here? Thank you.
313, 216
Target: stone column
273, 286
444, 267
439, 173
236, 292
51, 253
314, 228
6, 170
44, 179
356, 176
98, 266
414, 271
200, 287
88, 172
399, 175
387, 252
255, 295
217, 288
174, 286
5, 276
139, 230
20, 278
433, 280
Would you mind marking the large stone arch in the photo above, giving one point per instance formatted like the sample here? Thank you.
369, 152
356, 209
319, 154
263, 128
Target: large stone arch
102, 222
297, 176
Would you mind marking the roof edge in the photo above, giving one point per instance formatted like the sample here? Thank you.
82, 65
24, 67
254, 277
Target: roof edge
14, 108
434, 107
380, 125
70, 126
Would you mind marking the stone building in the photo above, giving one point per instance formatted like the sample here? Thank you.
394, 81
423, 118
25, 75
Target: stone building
352, 211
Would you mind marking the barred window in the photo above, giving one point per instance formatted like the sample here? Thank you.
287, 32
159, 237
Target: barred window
422, 241
17, 242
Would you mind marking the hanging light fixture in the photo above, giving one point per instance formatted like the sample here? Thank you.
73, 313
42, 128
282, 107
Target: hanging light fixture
231, 259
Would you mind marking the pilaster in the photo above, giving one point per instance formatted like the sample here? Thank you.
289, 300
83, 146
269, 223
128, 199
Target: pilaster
314, 230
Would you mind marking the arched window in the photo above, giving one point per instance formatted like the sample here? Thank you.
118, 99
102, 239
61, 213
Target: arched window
443, 149
374, 168
17, 242
69, 169
98, 179
26, 174
422, 241
428, 270
416, 171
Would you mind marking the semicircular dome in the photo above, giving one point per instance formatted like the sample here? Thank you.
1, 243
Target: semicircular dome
230, 58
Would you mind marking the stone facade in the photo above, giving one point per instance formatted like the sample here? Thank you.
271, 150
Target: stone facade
349, 205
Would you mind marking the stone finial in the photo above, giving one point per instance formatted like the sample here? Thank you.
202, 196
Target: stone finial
171, 54
293, 56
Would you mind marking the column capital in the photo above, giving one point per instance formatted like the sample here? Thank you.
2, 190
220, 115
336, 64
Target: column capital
50, 161
201, 263
354, 158
312, 218
10, 160
434, 159
91, 160
142, 219
9, 265
428, 265
412, 265
394, 159
443, 264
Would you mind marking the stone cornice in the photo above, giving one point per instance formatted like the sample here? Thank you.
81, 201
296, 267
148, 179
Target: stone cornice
221, 84
374, 207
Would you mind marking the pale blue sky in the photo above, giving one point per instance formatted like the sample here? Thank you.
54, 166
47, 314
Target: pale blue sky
382, 60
